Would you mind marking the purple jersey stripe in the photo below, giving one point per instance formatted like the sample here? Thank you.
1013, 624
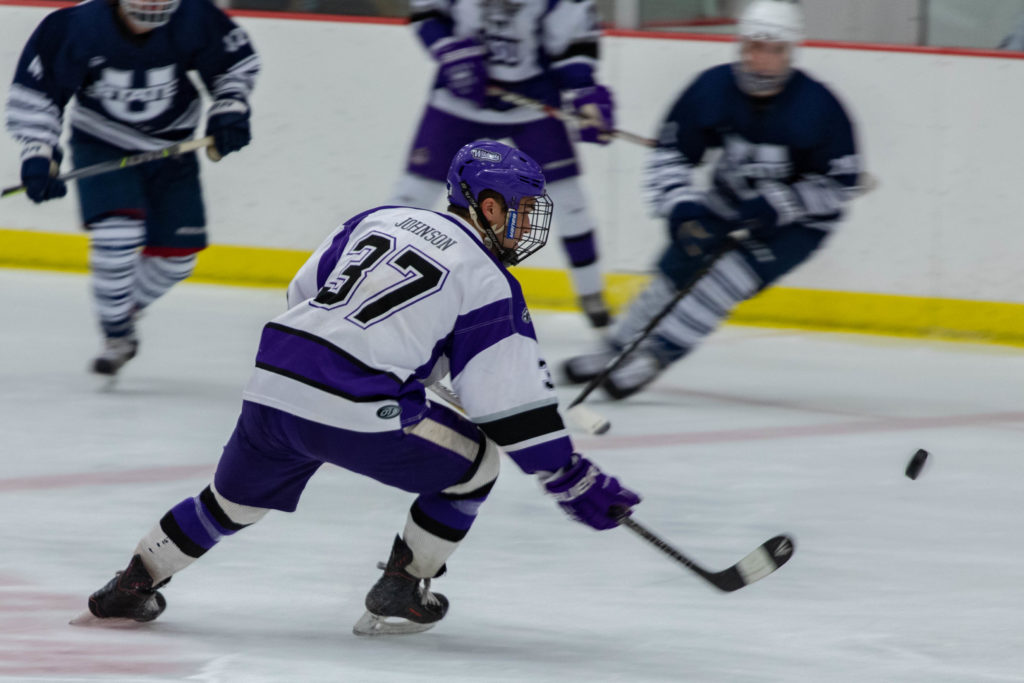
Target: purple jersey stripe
479, 330
305, 357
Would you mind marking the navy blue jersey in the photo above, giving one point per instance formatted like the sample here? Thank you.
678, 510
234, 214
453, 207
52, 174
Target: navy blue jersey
132, 91
798, 146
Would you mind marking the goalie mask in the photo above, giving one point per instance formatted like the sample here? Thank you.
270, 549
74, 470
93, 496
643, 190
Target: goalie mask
149, 14
769, 31
487, 166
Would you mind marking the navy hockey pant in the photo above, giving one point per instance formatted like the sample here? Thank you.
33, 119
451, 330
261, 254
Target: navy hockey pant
770, 258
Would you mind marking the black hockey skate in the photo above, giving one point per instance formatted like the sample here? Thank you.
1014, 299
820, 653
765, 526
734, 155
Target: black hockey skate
398, 594
116, 352
635, 372
581, 369
130, 595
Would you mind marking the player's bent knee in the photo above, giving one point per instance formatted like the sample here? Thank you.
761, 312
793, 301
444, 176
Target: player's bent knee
236, 513
481, 476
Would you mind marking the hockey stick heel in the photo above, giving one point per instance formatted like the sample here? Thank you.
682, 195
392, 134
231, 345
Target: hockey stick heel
764, 560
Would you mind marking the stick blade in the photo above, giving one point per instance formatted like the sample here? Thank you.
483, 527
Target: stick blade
764, 560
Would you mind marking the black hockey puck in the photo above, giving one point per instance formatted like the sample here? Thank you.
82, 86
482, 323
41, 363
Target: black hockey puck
916, 463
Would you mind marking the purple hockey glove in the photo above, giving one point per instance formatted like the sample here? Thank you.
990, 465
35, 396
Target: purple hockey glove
228, 123
595, 104
588, 495
40, 184
463, 68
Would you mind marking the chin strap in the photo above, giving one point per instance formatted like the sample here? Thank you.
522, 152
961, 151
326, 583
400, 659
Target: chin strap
480, 222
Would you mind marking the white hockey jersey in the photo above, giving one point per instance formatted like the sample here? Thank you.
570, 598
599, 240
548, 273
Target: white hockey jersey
393, 300
537, 48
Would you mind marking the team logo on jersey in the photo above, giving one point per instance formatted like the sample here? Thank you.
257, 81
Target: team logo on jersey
389, 412
499, 31
525, 315
757, 161
500, 13
124, 101
420, 156
35, 68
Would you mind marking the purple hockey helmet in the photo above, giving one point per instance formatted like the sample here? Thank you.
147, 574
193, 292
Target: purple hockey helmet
491, 165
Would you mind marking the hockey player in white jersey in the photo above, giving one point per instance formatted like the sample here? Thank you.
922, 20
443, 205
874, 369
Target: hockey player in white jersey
544, 49
788, 165
125, 63
392, 301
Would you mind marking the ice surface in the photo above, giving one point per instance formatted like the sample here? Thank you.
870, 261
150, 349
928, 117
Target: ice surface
759, 432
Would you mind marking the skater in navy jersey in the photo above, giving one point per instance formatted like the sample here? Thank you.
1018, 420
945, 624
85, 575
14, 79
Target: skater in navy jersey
125, 62
788, 164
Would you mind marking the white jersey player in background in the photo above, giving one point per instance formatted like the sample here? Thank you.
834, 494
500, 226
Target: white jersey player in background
546, 50
392, 301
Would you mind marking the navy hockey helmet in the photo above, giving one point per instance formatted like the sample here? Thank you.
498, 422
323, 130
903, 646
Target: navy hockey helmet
149, 14
518, 179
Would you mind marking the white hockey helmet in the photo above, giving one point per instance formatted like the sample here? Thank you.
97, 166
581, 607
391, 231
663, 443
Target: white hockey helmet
768, 21
779, 21
149, 14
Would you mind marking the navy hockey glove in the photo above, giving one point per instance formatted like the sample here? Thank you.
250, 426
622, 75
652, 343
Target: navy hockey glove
228, 123
595, 105
463, 68
773, 208
588, 495
38, 174
759, 217
684, 212
695, 230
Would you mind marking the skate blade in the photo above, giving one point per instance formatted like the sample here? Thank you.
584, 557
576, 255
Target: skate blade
372, 625
90, 620
107, 383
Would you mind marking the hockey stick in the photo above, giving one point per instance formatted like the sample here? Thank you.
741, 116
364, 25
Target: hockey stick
764, 560
587, 416
866, 182
133, 160
448, 395
584, 417
562, 115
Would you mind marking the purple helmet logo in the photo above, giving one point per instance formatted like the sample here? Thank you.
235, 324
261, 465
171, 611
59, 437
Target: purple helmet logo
491, 165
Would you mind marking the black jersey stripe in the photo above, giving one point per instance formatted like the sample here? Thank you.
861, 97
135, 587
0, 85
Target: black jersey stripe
524, 426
